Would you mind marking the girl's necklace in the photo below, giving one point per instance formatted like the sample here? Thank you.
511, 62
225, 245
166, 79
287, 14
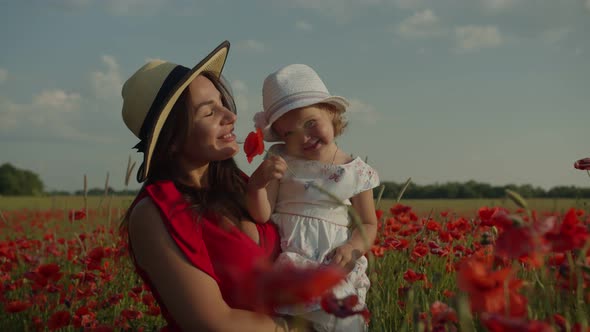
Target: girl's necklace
334, 156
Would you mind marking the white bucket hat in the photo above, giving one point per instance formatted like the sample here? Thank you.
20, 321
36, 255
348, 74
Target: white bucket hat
150, 93
291, 87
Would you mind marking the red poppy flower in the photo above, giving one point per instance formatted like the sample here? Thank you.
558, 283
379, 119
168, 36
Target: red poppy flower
412, 276
59, 320
583, 164
130, 314
17, 306
345, 307
442, 314
519, 242
379, 214
76, 215
487, 288
254, 144
570, 234
43, 274
398, 209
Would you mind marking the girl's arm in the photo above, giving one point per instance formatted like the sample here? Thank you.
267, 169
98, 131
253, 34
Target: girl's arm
365, 207
261, 201
191, 296
346, 254
263, 188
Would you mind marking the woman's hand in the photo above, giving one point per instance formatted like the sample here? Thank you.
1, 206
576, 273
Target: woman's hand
344, 256
272, 168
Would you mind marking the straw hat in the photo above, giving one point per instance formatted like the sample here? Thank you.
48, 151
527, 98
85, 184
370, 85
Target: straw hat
291, 87
150, 93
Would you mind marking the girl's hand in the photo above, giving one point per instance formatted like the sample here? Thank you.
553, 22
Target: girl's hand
344, 256
272, 168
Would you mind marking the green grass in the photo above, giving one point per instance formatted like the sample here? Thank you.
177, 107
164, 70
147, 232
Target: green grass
420, 206
61, 202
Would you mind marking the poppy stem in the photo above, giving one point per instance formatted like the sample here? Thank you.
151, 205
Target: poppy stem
3, 218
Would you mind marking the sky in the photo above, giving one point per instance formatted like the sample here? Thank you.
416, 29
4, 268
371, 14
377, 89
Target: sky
496, 91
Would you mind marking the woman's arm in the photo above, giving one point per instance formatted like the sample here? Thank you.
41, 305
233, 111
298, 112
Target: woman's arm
191, 296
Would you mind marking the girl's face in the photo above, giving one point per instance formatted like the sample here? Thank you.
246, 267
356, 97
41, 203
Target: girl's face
210, 134
308, 133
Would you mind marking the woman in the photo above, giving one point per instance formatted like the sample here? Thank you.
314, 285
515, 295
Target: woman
190, 234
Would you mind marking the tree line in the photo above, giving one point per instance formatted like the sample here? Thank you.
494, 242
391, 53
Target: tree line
474, 189
20, 182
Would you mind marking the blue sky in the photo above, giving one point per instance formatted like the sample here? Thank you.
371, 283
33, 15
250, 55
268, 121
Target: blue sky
496, 91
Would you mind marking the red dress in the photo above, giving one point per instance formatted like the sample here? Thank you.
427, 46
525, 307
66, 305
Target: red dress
223, 253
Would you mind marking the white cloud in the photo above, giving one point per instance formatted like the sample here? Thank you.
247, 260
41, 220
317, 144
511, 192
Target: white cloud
422, 24
338, 9
3, 75
326, 4
134, 7
124, 7
497, 5
303, 26
251, 45
362, 111
153, 59
553, 36
107, 84
58, 100
408, 4
67, 4
471, 37
50, 114
240, 91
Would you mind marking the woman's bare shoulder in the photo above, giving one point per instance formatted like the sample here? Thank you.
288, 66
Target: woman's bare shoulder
145, 220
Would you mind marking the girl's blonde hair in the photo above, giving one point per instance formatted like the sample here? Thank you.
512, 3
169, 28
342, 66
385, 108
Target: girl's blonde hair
338, 119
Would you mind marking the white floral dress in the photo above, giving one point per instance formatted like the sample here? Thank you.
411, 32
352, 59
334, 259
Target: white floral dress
311, 224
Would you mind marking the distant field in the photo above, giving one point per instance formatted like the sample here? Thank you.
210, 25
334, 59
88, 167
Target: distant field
420, 206
62, 202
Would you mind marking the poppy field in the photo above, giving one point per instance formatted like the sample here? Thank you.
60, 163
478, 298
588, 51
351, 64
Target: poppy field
505, 265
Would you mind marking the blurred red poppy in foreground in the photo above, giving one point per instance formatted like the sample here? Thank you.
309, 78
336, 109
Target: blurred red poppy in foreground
345, 307
583, 164
268, 287
501, 323
254, 144
491, 291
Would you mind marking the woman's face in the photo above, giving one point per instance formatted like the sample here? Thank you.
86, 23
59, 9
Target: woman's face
210, 134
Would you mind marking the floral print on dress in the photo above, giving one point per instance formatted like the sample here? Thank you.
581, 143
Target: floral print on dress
336, 176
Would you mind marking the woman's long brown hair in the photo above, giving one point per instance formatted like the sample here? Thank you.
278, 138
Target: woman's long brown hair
225, 193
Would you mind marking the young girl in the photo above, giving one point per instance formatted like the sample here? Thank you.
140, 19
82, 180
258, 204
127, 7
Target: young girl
314, 228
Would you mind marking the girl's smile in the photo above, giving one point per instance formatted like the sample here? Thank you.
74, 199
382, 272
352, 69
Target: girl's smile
308, 133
